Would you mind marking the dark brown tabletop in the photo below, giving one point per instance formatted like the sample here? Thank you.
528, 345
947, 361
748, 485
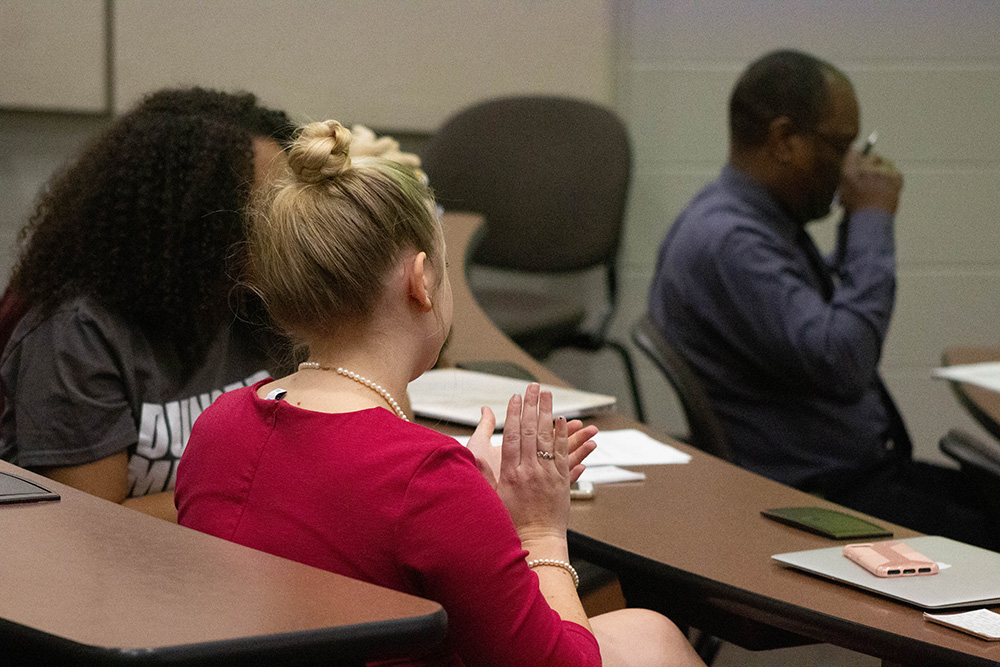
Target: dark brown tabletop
86, 581
690, 540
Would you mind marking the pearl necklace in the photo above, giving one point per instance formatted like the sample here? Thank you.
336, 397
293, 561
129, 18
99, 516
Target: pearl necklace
360, 379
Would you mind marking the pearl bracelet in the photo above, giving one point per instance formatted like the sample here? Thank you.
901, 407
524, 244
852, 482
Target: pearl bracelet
557, 563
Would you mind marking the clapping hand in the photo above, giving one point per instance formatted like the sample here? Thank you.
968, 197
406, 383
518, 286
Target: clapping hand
538, 460
488, 456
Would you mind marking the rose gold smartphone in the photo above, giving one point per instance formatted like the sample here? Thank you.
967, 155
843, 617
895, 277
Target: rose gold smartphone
890, 559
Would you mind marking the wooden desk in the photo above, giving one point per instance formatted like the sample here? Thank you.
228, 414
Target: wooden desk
983, 404
692, 535
85, 581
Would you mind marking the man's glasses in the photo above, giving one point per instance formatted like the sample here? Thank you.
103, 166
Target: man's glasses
838, 144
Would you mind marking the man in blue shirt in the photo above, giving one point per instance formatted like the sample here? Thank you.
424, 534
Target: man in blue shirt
786, 342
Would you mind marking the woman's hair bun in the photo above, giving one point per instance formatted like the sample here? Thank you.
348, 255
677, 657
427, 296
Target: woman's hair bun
320, 152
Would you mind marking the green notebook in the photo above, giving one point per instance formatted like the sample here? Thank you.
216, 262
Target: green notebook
826, 522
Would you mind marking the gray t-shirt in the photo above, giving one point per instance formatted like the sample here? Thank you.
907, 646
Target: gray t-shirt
82, 385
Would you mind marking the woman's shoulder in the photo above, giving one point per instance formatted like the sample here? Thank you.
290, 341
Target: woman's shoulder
77, 328
404, 445
236, 403
428, 440
70, 318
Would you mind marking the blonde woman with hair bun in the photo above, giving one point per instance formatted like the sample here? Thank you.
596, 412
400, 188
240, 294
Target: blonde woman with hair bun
324, 467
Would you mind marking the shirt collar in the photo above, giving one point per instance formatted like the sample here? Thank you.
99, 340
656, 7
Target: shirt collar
766, 207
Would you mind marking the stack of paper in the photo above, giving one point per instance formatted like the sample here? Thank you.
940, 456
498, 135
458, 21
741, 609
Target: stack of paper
627, 447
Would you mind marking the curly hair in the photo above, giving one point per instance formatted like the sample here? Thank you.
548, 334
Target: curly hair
149, 220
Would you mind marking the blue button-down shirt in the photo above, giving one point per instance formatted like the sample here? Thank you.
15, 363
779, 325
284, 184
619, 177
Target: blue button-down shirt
792, 376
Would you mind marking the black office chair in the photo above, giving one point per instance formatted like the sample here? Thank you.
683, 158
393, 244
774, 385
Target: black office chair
550, 176
980, 463
704, 429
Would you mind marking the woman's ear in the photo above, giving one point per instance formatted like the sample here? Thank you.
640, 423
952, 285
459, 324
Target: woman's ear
418, 282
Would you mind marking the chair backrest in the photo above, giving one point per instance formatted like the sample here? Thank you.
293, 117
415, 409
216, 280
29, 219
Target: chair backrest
550, 172
980, 462
705, 430
972, 453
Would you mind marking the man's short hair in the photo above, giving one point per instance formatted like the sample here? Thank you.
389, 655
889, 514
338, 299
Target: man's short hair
781, 83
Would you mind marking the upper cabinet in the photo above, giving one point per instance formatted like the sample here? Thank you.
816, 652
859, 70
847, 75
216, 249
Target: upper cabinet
405, 64
53, 55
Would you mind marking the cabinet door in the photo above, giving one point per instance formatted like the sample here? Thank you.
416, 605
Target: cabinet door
53, 55
387, 63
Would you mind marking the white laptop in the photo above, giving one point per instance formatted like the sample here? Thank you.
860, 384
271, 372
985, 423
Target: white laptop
969, 576
457, 395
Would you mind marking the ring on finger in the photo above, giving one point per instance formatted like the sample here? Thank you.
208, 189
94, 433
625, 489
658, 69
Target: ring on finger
545, 455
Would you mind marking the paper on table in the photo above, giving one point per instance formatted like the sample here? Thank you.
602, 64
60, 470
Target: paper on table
981, 623
610, 474
984, 375
631, 447
457, 395
625, 447
599, 474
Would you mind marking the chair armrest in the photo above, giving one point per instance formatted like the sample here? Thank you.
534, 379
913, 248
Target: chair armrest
971, 452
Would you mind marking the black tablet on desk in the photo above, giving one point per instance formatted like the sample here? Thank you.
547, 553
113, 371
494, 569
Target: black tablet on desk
14, 489
826, 522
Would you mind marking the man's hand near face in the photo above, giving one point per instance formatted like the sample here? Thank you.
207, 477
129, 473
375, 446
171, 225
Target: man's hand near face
870, 182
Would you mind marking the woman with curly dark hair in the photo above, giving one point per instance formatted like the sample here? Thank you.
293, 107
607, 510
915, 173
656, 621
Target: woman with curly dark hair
129, 267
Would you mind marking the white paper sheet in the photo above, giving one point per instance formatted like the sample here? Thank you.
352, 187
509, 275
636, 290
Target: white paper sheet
610, 474
983, 375
631, 447
626, 447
